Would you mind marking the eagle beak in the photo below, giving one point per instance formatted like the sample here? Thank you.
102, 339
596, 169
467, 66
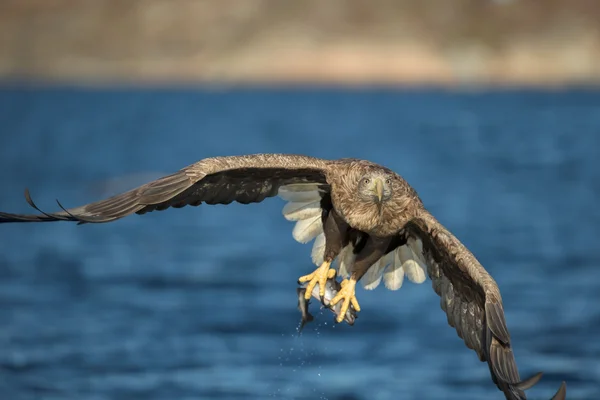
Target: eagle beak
379, 189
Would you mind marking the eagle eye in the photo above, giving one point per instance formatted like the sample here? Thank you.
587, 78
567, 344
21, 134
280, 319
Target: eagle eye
366, 181
388, 181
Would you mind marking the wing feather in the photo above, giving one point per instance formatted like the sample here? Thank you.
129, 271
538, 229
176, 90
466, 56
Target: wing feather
345, 260
372, 278
393, 277
218, 180
308, 229
297, 211
318, 250
470, 298
496, 321
304, 206
412, 262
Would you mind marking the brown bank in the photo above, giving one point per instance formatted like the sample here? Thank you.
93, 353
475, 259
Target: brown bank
548, 42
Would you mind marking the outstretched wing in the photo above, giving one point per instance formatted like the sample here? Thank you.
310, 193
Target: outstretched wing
470, 298
219, 180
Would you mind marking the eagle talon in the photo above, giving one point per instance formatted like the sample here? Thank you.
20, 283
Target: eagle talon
348, 294
318, 276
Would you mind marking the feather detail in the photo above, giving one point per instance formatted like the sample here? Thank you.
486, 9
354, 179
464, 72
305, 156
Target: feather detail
304, 206
413, 264
307, 229
388, 259
318, 250
417, 247
294, 211
345, 261
300, 193
414, 272
393, 277
372, 277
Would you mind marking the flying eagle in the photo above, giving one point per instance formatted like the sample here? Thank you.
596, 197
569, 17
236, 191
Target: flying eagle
360, 213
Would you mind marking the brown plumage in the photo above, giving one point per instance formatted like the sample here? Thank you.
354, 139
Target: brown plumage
368, 215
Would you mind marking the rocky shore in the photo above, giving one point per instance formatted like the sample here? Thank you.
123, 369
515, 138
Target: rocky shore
549, 42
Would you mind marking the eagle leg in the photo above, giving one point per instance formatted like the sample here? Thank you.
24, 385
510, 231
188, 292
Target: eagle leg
335, 230
372, 251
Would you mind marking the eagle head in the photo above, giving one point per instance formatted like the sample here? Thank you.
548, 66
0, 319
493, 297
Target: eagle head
372, 199
375, 187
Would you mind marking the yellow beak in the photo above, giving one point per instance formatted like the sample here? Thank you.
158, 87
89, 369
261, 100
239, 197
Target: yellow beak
379, 189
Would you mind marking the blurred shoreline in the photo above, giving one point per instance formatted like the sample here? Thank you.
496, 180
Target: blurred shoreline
355, 42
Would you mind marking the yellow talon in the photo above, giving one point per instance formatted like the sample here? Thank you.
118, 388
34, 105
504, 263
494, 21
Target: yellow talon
347, 292
320, 276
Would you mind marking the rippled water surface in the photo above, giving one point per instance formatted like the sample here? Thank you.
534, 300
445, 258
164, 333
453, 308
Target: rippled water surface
200, 303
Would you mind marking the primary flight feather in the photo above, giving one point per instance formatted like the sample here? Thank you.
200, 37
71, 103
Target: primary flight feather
360, 213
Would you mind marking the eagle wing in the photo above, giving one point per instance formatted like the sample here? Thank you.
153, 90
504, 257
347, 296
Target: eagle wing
470, 298
218, 180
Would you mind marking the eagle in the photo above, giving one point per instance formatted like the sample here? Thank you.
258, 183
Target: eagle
360, 214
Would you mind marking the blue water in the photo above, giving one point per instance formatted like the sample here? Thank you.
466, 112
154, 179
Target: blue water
200, 303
